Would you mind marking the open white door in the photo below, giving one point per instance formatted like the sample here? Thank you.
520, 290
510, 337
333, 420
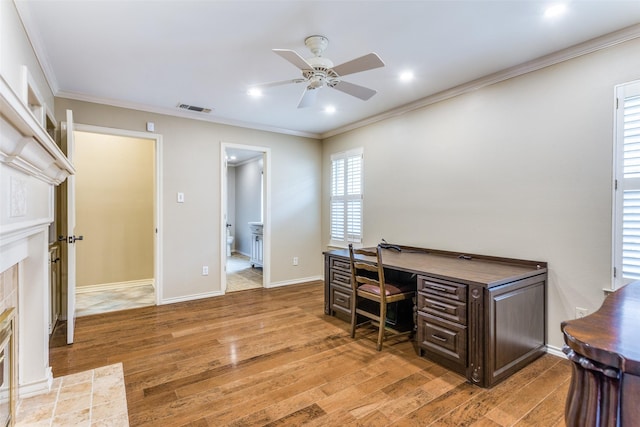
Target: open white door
67, 132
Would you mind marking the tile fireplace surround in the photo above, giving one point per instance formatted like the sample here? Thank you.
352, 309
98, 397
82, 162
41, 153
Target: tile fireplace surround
31, 165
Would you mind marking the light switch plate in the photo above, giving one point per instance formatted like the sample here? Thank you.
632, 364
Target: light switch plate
180, 197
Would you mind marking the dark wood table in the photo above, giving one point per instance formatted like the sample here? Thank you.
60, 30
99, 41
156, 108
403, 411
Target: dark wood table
605, 350
481, 316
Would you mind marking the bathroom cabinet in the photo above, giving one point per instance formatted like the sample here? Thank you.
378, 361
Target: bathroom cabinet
257, 253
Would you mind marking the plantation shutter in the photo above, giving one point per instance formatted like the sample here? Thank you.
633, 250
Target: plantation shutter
627, 213
346, 197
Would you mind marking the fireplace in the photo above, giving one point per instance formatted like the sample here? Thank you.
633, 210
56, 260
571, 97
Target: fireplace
31, 166
7, 368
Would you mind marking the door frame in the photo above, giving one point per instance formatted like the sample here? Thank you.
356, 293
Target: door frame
266, 211
157, 138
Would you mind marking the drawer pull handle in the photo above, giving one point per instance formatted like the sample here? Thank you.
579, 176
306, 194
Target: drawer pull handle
439, 288
438, 307
439, 338
341, 300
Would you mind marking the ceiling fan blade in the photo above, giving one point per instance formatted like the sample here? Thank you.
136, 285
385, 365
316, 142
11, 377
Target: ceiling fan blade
308, 98
361, 92
364, 63
278, 83
293, 57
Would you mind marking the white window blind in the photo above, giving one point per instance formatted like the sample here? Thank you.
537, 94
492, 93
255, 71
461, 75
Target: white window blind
346, 197
627, 186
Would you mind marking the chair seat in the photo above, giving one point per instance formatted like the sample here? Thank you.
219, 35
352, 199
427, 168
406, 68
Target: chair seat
389, 289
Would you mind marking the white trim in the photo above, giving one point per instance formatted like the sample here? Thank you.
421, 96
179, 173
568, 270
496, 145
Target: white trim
192, 297
115, 286
157, 268
556, 351
36, 388
266, 215
298, 281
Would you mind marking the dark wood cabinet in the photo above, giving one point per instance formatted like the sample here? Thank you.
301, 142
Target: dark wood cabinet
483, 317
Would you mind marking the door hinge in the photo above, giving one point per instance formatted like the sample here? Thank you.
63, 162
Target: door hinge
617, 103
615, 186
615, 272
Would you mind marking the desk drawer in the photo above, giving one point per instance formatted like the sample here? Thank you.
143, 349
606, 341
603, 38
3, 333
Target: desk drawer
340, 278
455, 311
443, 288
443, 338
341, 264
340, 299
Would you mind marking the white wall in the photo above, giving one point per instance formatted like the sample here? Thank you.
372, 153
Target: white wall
519, 169
16, 51
191, 232
248, 191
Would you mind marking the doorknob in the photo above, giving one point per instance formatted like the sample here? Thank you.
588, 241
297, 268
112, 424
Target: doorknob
72, 239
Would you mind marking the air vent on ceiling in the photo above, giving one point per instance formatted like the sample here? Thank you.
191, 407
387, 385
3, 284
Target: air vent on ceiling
194, 108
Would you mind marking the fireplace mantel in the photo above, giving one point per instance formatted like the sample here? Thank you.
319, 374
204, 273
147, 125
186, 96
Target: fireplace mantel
25, 145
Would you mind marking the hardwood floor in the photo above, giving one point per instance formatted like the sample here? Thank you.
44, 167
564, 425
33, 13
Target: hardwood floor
271, 357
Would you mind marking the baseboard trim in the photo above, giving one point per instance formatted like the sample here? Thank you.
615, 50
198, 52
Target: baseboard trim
556, 351
191, 297
37, 387
115, 286
294, 282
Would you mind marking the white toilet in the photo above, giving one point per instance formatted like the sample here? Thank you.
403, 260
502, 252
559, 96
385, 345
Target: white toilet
229, 242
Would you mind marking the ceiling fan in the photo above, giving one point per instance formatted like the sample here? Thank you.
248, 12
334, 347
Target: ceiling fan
319, 71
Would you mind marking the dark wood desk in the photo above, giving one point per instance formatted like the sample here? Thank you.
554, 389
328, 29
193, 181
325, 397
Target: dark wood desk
483, 317
605, 350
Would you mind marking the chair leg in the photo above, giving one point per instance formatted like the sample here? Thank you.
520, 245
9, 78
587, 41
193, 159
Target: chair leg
383, 321
354, 317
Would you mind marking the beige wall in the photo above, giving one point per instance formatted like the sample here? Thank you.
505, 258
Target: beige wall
114, 209
519, 169
191, 231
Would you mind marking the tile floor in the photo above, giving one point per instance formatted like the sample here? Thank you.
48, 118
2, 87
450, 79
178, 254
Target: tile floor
95, 398
240, 274
88, 303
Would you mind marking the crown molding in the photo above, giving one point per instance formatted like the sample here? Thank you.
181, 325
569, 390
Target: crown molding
184, 114
36, 44
585, 48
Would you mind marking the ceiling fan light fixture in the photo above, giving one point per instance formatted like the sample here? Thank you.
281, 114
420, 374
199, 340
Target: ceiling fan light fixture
254, 92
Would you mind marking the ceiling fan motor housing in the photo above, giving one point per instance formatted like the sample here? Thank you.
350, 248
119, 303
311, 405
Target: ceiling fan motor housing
316, 44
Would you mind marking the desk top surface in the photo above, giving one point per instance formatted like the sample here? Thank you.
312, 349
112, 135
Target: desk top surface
466, 268
611, 335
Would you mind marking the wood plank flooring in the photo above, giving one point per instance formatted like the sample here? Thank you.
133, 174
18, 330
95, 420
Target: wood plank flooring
270, 357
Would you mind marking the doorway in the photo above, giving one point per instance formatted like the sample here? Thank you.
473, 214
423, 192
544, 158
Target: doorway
117, 188
245, 213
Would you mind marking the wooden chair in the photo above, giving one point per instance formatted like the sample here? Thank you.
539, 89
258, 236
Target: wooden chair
368, 284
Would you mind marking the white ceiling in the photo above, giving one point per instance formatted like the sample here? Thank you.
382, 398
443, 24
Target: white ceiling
153, 54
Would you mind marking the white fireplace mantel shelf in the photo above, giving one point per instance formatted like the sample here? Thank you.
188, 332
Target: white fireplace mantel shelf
24, 143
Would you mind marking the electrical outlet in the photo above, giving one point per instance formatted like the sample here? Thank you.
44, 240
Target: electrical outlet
581, 312
295, 260
205, 270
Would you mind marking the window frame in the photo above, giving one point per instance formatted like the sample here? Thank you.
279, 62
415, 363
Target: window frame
621, 184
345, 198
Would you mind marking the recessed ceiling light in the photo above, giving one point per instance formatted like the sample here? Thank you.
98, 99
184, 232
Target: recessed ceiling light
330, 109
255, 92
406, 76
555, 11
